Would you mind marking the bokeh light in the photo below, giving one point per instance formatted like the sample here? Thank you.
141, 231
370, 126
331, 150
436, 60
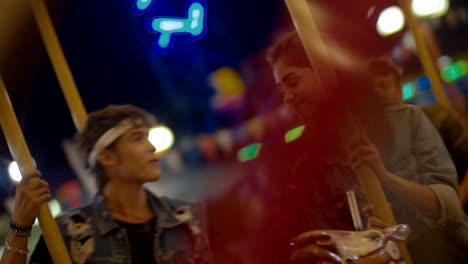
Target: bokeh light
14, 172
162, 138
249, 152
294, 134
390, 21
430, 8
423, 83
455, 71
227, 81
409, 91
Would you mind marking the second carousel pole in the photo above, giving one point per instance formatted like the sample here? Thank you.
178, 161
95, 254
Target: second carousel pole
59, 63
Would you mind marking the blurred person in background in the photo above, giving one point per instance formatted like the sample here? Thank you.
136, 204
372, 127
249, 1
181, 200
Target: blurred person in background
454, 133
125, 223
415, 169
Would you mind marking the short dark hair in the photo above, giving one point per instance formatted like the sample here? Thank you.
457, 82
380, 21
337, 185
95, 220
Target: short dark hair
383, 66
289, 47
99, 122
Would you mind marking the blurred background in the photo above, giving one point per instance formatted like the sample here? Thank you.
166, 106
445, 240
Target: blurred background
214, 97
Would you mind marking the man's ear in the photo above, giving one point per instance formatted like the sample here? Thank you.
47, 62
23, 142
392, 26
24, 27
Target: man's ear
106, 158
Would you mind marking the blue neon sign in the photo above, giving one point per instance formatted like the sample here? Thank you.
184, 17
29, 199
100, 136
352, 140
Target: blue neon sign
142, 6
166, 28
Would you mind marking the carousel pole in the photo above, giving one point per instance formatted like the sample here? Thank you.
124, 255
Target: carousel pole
59, 63
67, 84
20, 153
424, 55
317, 54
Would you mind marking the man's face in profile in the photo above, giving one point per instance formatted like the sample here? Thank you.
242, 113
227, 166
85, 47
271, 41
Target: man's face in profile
387, 89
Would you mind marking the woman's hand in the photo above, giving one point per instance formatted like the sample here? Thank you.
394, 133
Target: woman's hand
31, 192
309, 248
372, 221
367, 153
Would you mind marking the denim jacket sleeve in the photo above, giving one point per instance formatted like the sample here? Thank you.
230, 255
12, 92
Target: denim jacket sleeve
198, 226
435, 168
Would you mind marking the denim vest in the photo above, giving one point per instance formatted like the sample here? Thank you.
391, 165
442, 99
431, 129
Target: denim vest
93, 236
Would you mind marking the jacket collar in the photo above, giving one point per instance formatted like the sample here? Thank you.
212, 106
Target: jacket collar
166, 216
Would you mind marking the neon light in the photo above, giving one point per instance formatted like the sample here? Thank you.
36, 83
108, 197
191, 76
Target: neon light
170, 25
249, 152
194, 26
451, 73
409, 91
423, 83
141, 6
294, 134
455, 71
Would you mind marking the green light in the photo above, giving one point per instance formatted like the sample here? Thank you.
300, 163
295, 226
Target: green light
294, 134
455, 71
451, 73
463, 65
249, 152
409, 91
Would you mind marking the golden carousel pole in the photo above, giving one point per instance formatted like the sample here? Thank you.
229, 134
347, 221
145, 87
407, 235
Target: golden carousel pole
20, 153
424, 55
64, 76
61, 67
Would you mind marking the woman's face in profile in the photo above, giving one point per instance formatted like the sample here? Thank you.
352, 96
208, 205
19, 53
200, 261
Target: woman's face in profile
299, 87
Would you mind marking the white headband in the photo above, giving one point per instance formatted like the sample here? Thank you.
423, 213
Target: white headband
108, 138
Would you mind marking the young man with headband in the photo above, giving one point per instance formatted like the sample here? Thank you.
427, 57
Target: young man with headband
125, 223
